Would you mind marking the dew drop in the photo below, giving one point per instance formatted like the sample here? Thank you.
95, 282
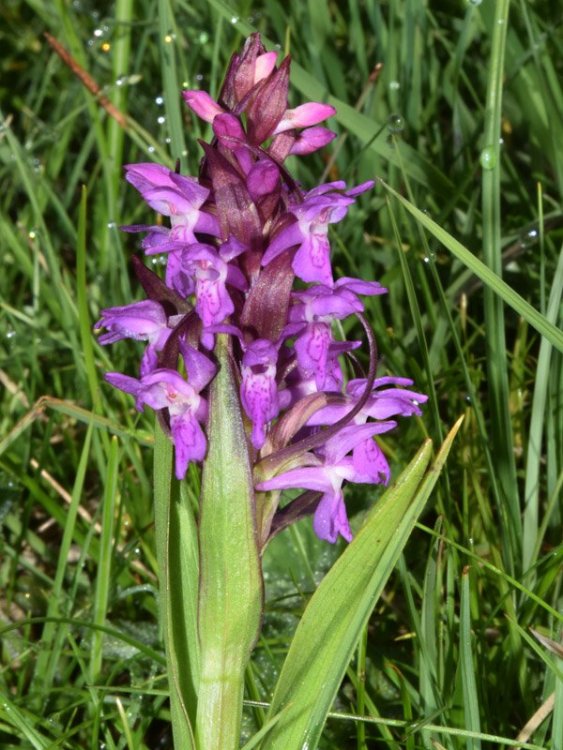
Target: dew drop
527, 239
170, 37
10, 333
150, 149
203, 37
395, 123
159, 101
121, 81
32, 234
98, 33
468, 399
394, 85
161, 120
488, 158
235, 19
168, 140
111, 224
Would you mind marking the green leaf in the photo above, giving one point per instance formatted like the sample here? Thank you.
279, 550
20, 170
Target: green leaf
468, 679
230, 580
340, 608
483, 272
177, 554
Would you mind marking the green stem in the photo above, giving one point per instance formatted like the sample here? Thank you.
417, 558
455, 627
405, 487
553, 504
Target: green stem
230, 576
500, 419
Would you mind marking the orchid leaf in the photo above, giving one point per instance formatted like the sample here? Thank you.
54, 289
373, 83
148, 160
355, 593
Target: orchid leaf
177, 554
230, 577
340, 608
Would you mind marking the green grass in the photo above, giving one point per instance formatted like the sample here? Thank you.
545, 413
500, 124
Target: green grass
463, 127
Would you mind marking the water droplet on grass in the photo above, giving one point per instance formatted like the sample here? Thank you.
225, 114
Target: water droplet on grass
488, 158
395, 123
394, 85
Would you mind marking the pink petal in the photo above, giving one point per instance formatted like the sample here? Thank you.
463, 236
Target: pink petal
303, 116
202, 104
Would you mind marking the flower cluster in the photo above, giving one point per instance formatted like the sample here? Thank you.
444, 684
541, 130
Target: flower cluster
248, 255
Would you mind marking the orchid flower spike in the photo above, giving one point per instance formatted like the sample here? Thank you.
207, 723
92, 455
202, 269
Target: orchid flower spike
248, 253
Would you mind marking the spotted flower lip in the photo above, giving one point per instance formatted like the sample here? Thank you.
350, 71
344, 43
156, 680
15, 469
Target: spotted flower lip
324, 205
247, 254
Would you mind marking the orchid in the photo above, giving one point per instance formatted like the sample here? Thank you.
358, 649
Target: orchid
247, 370
235, 240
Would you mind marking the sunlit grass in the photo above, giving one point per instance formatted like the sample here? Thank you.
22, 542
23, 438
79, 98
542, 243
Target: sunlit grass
462, 648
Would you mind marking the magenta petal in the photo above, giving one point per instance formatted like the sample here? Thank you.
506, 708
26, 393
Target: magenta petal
350, 436
359, 286
177, 277
303, 116
264, 65
200, 368
149, 361
262, 179
312, 260
309, 477
331, 519
286, 238
312, 349
370, 463
310, 140
147, 175
189, 441
202, 104
352, 192
123, 382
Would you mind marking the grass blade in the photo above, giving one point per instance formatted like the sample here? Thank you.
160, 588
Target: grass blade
468, 681
178, 592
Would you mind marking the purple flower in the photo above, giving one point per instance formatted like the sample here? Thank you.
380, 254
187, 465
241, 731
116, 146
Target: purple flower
166, 389
234, 240
172, 195
317, 307
382, 403
327, 476
309, 234
259, 391
144, 321
210, 274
